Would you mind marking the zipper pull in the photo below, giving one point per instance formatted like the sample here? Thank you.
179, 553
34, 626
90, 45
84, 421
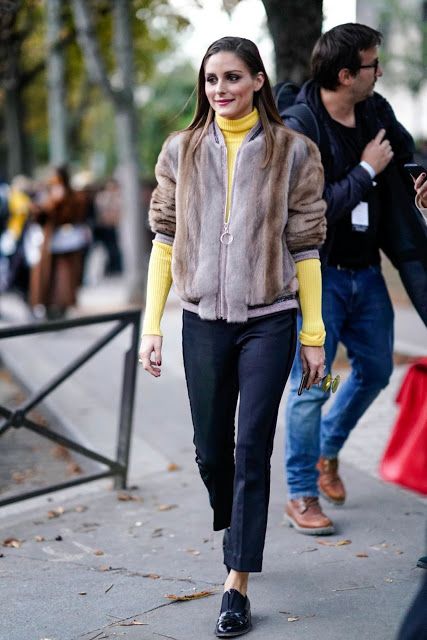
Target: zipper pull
226, 237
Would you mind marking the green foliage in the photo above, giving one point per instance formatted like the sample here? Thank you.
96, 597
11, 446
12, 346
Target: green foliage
169, 108
154, 25
405, 64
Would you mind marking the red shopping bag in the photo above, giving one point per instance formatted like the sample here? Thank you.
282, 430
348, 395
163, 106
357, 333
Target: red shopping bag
404, 461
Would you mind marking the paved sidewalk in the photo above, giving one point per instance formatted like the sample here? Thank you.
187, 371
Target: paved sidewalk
89, 564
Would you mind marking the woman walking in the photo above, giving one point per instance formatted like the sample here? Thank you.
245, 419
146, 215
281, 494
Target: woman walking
55, 278
238, 216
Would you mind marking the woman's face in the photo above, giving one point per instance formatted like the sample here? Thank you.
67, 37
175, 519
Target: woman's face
229, 85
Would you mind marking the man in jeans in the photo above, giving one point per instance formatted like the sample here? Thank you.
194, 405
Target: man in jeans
359, 138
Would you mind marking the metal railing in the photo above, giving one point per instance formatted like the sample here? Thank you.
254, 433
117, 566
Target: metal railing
19, 418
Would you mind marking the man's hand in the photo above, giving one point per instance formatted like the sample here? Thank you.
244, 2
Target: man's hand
378, 152
151, 345
420, 187
313, 360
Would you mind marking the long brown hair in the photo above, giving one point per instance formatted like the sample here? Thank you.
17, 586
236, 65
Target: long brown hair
263, 99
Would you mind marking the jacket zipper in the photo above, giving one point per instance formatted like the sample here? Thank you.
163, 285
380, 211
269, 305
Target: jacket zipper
226, 237
222, 248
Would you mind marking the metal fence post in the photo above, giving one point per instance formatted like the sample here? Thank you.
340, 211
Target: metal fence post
126, 407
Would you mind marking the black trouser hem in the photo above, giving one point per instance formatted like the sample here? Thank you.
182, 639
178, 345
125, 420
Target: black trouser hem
246, 564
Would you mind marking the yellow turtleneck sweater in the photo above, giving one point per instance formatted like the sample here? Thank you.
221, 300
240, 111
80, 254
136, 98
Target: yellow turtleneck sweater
308, 271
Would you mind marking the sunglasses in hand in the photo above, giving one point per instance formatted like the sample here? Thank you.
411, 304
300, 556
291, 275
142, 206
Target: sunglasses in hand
326, 383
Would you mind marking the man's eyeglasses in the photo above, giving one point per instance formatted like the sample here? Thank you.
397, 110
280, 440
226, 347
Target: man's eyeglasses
374, 65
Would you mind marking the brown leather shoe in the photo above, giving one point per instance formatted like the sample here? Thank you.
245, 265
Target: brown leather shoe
306, 516
330, 484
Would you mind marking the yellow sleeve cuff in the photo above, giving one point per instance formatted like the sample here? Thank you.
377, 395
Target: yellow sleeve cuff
310, 297
159, 281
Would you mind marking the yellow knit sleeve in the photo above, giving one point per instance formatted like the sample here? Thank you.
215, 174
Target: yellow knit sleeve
310, 296
159, 281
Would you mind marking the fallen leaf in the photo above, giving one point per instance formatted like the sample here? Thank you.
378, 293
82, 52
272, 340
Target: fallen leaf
191, 596
152, 576
166, 507
21, 476
98, 552
362, 555
193, 552
126, 497
60, 452
12, 542
157, 533
80, 508
55, 513
18, 397
6, 376
104, 567
398, 552
339, 543
173, 467
74, 469
293, 618
39, 538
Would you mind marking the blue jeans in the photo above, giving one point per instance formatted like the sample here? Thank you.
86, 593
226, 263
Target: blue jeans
357, 311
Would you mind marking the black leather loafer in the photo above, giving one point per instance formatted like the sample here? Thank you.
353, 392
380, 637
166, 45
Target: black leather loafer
235, 616
224, 544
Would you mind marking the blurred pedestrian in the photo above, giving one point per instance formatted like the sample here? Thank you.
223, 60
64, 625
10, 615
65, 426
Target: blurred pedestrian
238, 212
54, 279
363, 149
108, 211
15, 274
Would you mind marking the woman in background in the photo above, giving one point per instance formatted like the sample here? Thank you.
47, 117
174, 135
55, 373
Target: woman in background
54, 279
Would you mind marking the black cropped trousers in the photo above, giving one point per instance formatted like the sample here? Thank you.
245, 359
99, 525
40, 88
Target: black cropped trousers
225, 362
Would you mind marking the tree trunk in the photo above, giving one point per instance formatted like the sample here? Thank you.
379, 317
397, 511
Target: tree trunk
18, 158
134, 234
294, 26
135, 237
58, 148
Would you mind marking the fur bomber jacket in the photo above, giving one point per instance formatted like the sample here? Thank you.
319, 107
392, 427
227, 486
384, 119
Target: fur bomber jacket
276, 217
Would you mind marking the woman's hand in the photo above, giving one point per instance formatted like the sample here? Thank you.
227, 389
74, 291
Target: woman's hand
420, 187
151, 345
313, 360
